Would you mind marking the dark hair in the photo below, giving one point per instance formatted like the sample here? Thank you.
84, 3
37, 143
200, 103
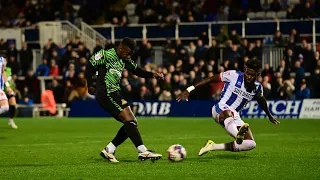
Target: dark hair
130, 43
254, 64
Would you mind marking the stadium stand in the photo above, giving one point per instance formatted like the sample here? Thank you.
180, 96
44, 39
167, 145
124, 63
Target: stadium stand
182, 62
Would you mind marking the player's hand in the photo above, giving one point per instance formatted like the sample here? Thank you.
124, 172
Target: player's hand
158, 76
184, 95
91, 90
274, 120
10, 91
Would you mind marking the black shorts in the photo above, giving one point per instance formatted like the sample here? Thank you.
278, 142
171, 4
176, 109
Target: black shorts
113, 102
9, 96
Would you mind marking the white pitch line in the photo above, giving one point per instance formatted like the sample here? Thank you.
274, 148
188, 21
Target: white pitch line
154, 139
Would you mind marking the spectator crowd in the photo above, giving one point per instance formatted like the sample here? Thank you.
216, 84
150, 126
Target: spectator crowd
296, 77
184, 63
26, 13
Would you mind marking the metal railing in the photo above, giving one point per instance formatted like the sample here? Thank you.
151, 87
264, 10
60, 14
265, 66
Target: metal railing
92, 34
191, 31
273, 55
63, 31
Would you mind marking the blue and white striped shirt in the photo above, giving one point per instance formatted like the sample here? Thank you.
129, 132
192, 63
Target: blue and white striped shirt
234, 93
1, 69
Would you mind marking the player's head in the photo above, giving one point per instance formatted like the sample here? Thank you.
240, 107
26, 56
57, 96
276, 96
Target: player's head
252, 70
126, 48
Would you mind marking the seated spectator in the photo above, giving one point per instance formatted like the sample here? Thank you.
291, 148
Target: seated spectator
54, 69
303, 92
43, 69
26, 101
165, 96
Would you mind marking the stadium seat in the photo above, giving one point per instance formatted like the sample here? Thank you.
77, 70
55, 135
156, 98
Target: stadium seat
251, 15
282, 14
270, 15
292, 3
260, 15
130, 8
76, 7
133, 19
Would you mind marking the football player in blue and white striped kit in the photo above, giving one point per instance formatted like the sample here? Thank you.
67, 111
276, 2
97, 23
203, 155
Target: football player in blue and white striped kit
4, 105
239, 89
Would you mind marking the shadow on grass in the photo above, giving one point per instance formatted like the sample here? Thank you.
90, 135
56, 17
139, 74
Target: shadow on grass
27, 165
231, 156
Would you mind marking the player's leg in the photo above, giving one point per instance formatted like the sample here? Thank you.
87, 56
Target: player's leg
12, 111
231, 124
130, 125
120, 137
108, 104
4, 105
115, 104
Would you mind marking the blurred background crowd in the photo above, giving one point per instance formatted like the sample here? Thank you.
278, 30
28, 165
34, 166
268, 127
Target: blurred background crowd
26, 13
184, 63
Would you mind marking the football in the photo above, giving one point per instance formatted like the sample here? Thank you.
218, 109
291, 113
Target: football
176, 153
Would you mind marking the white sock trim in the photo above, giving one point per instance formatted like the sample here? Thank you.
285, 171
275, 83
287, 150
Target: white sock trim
217, 147
111, 147
246, 145
141, 149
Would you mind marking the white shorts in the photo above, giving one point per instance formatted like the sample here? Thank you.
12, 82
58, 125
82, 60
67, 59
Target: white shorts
3, 95
219, 108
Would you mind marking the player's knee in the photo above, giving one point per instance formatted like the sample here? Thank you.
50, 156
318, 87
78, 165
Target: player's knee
251, 144
131, 123
224, 115
4, 108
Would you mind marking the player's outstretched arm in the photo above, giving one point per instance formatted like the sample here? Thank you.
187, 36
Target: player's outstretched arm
263, 103
146, 74
90, 71
185, 94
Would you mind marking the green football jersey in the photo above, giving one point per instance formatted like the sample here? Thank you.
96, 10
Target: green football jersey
114, 67
8, 73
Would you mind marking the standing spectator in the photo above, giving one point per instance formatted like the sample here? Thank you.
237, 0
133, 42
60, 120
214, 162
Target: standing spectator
15, 69
12, 51
191, 48
315, 80
200, 52
299, 74
275, 5
58, 90
235, 38
290, 15
26, 58
278, 39
283, 69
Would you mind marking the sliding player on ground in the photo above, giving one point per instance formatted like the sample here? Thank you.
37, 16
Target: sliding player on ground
238, 90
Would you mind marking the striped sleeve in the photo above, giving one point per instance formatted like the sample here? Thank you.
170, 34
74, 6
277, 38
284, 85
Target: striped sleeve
98, 59
228, 76
259, 90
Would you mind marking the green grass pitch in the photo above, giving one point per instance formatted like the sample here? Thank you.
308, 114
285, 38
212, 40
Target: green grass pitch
48, 148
